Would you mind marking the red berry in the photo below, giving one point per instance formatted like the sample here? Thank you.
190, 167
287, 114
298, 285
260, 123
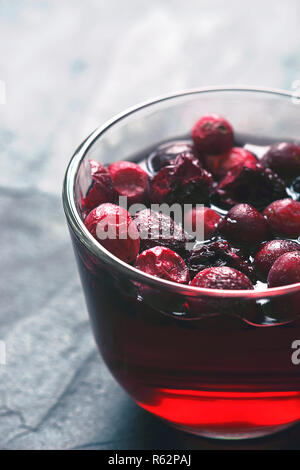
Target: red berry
269, 253
164, 263
284, 159
219, 253
220, 165
162, 155
244, 225
212, 135
283, 217
101, 188
114, 229
285, 270
222, 277
158, 229
202, 217
250, 183
129, 180
183, 181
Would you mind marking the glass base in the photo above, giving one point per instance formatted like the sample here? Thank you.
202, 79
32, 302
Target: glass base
228, 435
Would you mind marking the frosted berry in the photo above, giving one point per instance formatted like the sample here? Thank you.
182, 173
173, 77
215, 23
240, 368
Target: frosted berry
212, 135
268, 254
243, 225
162, 262
283, 217
101, 188
114, 229
284, 159
285, 270
182, 181
130, 180
222, 277
203, 219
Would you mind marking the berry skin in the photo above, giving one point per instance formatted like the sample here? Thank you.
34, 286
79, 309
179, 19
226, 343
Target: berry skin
130, 180
101, 189
183, 181
250, 183
212, 135
162, 262
285, 270
156, 228
220, 165
284, 159
269, 253
162, 155
205, 217
114, 229
243, 225
219, 253
222, 277
283, 217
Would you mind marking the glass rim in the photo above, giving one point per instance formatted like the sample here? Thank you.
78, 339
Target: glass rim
84, 236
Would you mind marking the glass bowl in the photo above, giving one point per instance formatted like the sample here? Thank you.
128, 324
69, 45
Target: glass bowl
212, 362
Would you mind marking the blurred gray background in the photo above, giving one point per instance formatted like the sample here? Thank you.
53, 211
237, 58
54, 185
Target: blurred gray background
69, 65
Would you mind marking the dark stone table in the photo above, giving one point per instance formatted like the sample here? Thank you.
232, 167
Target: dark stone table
68, 66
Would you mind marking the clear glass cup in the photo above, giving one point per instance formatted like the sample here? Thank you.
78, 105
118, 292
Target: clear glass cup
212, 362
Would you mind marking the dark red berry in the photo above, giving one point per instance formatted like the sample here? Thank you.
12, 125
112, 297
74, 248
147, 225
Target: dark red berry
158, 229
114, 229
101, 188
202, 218
285, 270
283, 217
284, 159
162, 262
183, 181
269, 253
130, 180
222, 277
220, 165
219, 253
161, 156
244, 226
250, 183
212, 135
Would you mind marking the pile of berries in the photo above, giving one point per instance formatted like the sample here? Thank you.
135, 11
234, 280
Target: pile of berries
250, 211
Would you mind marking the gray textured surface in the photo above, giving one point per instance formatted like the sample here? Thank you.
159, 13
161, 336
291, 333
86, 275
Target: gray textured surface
68, 66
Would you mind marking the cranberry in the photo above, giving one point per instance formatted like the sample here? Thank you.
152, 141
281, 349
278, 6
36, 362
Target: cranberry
219, 253
244, 225
212, 135
183, 181
283, 217
130, 180
156, 228
222, 277
285, 270
114, 229
202, 217
161, 156
269, 253
162, 262
284, 159
220, 165
250, 183
101, 189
